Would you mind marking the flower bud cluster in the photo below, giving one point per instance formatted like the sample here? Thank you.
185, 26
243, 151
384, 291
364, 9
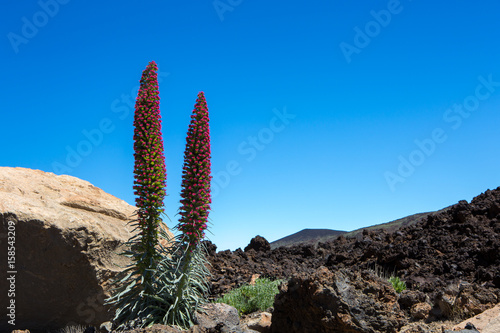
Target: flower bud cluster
196, 175
149, 170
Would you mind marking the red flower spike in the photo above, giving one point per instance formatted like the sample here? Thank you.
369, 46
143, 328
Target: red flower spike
196, 178
149, 168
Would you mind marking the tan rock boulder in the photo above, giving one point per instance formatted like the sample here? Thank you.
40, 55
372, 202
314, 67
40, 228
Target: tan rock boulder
67, 236
486, 322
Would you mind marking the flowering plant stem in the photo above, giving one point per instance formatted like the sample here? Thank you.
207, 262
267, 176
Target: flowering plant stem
167, 283
149, 171
137, 285
196, 199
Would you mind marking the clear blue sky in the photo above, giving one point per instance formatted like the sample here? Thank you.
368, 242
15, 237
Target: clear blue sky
324, 114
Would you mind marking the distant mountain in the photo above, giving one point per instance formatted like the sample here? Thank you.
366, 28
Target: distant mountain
314, 236
307, 236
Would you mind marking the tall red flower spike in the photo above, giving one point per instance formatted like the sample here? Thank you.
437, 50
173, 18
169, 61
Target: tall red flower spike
149, 170
196, 175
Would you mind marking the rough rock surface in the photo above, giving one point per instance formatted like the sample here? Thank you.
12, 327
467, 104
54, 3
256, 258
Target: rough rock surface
217, 315
67, 232
485, 322
450, 261
339, 301
258, 243
469, 328
456, 247
258, 321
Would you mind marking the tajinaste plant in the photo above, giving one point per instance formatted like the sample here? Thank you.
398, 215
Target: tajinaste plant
136, 284
149, 171
196, 176
192, 272
165, 285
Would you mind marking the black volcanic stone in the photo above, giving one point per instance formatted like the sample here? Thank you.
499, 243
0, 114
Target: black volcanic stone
259, 244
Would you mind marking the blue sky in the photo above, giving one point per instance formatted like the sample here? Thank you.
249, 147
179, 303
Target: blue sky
323, 114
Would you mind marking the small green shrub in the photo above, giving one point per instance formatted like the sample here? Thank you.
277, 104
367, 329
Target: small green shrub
250, 298
398, 285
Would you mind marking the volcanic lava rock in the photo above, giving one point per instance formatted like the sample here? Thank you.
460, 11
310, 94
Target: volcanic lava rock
450, 262
259, 244
217, 315
340, 301
456, 245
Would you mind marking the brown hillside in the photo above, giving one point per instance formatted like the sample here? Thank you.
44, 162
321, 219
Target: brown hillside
307, 237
